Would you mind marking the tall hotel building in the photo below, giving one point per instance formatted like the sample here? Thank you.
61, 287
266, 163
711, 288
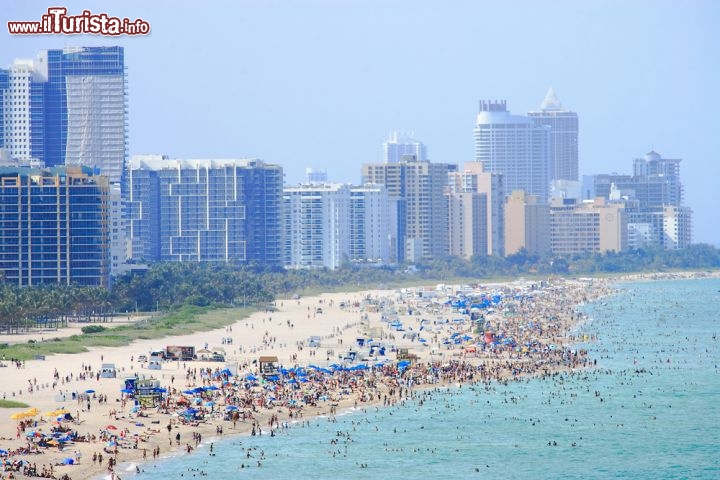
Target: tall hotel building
67, 107
417, 192
225, 210
317, 225
369, 224
563, 135
54, 226
468, 191
514, 146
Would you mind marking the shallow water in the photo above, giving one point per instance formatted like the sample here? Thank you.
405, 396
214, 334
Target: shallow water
648, 410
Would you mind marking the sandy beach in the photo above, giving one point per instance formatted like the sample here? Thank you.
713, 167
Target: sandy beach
527, 332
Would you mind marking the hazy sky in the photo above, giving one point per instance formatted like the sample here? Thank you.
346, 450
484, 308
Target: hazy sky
322, 83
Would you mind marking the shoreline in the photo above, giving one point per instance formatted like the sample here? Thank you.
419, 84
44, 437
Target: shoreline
339, 333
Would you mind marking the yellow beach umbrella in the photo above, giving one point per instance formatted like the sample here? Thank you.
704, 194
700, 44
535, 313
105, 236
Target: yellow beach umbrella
32, 412
17, 416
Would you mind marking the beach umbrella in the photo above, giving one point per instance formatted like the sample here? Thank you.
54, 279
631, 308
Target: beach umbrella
89, 390
111, 427
127, 390
3, 452
17, 416
68, 461
231, 408
209, 404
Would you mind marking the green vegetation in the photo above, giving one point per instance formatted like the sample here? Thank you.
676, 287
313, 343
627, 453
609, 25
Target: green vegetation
198, 297
92, 329
12, 404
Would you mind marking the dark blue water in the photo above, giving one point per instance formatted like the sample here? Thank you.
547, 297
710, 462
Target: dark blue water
650, 409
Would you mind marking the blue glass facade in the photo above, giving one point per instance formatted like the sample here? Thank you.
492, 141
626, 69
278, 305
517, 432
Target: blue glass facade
53, 226
61, 64
205, 211
77, 100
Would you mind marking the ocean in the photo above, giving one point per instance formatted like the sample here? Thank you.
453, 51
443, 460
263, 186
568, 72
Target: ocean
649, 409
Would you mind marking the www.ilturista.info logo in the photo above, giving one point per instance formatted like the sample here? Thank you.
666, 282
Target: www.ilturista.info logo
57, 21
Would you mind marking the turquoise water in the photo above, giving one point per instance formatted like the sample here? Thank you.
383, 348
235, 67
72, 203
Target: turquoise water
648, 410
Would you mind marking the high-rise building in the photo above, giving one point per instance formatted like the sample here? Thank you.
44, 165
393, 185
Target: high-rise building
400, 145
527, 225
317, 225
677, 227
67, 107
587, 227
467, 224
652, 196
54, 226
369, 224
202, 210
514, 146
472, 179
418, 187
563, 125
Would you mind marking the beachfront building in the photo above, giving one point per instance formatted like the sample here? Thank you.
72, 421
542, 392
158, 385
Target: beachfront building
316, 219
653, 200
369, 224
67, 107
516, 147
563, 125
587, 227
204, 210
527, 224
416, 189
473, 179
467, 225
54, 226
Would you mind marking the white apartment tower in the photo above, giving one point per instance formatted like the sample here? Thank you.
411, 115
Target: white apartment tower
514, 146
317, 225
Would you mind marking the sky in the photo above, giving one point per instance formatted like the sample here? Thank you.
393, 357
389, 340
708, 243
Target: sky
321, 83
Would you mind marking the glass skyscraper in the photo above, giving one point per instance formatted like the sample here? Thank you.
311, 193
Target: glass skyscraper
53, 226
67, 107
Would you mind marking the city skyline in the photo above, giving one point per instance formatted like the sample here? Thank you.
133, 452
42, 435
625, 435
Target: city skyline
336, 77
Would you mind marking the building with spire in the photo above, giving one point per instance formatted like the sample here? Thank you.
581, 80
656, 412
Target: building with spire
516, 147
563, 125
